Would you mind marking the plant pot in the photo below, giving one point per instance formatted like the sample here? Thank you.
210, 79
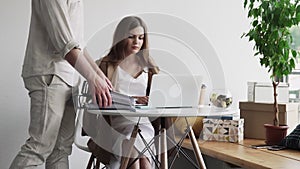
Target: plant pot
274, 134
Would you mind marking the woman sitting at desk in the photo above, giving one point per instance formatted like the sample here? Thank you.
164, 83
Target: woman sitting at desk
130, 68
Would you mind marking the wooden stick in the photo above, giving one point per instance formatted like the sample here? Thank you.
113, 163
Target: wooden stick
196, 148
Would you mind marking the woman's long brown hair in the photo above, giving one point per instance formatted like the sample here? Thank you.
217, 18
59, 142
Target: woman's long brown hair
119, 46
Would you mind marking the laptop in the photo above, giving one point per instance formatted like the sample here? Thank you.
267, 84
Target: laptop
174, 91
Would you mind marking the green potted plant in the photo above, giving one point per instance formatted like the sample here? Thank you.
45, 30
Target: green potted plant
271, 21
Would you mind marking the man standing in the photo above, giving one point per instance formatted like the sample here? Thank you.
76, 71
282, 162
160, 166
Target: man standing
54, 49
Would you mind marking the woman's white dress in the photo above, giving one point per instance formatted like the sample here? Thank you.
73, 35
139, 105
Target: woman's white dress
123, 126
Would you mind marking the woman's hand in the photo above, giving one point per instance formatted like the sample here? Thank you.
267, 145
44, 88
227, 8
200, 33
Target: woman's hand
141, 99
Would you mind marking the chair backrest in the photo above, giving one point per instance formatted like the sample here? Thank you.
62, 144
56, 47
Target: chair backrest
79, 140
85, 142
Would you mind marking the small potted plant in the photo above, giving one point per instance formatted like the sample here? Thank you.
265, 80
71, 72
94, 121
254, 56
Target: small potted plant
271, 21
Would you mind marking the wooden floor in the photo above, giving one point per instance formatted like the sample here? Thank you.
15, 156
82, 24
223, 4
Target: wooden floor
241, 154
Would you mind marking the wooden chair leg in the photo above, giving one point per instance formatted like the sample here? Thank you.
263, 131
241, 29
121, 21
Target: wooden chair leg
97, 164
90, 163
164, 157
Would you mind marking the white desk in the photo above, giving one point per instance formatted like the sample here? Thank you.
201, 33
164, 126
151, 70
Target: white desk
168, 112
163, 113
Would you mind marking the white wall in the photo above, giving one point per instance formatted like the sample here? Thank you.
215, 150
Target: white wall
221, 22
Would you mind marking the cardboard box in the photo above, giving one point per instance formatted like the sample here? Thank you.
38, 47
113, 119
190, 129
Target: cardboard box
260, 92
257, 114
223, 130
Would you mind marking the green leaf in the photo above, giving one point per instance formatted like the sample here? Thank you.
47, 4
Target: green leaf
254, 23
294, 53
298, 17
245, 3
292, 63
298, 9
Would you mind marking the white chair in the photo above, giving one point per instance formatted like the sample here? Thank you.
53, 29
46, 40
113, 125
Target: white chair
79, 140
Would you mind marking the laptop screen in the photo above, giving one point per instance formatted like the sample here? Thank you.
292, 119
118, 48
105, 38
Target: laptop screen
174, 91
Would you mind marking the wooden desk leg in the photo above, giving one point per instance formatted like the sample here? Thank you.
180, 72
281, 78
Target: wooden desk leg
164, 154
125, 159
196, 148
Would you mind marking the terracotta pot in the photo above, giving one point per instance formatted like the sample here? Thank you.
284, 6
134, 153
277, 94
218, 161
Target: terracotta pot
274, 134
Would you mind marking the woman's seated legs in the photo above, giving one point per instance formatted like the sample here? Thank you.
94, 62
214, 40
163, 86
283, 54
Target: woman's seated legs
142, 162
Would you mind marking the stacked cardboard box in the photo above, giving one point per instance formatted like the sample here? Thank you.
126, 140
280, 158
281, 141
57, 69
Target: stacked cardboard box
257, 114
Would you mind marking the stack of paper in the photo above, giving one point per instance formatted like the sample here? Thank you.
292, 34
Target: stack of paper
119, 102
118, 98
